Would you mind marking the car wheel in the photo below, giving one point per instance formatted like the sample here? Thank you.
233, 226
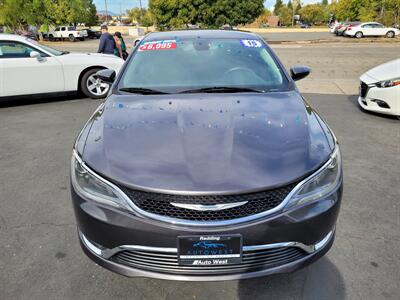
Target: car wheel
82, 39
92, 86
51, 38
359, 34
71, 38
390, 34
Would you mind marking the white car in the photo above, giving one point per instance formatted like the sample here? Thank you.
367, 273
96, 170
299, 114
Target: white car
29, 68
380, 89
371, 29
67, 32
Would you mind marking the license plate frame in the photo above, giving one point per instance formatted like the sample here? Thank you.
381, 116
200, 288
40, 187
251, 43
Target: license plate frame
209, 250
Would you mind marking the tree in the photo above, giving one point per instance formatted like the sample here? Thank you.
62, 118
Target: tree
277, 7
297, 6
136, 14
285, 15
289, 5
312, 13
18, 14
210, 13
324, 2
148, 19
262, 19
91, 19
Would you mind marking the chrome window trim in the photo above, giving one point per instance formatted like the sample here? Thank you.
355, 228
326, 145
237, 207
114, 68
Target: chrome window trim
107, 253
176, 221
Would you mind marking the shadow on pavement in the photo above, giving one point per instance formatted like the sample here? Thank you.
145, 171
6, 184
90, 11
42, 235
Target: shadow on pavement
353, 99
321, 280
37, 100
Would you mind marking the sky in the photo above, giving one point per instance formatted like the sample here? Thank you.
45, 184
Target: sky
116, 5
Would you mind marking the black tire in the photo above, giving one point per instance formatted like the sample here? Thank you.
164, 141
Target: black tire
82, 39
71, 38
51, 38
359, 35
390, 34
83, 84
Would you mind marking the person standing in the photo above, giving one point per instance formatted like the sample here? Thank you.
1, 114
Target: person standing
107, 42
120, 51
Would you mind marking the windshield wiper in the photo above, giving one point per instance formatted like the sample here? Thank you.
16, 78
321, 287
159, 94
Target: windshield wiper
64, 52
143, 91
222, 89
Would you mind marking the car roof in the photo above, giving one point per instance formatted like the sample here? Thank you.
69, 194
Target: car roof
202, 33
371, 23
12, 37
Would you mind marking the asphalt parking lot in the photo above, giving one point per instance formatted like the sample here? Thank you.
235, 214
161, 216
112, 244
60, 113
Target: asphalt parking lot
40, 256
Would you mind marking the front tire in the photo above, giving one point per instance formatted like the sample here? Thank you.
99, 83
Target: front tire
92, 86
359, 35
390, 34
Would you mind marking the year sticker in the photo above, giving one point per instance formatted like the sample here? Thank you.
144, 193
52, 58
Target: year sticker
251, 43
158, 45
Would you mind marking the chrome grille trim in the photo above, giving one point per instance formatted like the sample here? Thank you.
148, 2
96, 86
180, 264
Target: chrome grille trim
163, 251
280, 256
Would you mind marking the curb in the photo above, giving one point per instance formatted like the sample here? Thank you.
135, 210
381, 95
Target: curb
332, 41
300, 42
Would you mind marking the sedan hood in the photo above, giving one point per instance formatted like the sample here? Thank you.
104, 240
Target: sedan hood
386, 71
204, 142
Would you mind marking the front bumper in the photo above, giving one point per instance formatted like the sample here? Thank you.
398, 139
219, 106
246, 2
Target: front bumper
101, 257
390, 96
291, 239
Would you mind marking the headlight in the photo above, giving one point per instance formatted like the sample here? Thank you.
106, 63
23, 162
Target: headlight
320, 184
91, 187
388, 83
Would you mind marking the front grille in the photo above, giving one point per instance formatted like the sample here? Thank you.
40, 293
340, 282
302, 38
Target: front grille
257, 202
363, 89
168, 262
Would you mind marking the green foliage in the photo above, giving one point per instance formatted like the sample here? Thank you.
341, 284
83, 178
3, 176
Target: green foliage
277, 7
18, 14
209, 13
324, 2
262, 20
313, 13
142, 16
385, 11
285, 16
289, 4
135, 14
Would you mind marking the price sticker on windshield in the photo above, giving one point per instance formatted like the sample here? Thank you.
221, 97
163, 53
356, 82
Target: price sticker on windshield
158, 45
251, 43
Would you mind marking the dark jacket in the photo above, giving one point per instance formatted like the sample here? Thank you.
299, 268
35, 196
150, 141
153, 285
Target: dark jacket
107, 44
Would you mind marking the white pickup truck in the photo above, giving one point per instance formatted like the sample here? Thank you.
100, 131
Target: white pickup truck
67, 32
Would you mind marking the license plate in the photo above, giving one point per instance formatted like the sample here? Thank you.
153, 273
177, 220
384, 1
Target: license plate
210, 250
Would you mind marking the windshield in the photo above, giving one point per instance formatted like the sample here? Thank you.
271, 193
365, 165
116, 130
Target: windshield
184, 65
46, 48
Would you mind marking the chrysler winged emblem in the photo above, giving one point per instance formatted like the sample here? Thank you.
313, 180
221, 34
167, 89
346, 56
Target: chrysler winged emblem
208, 207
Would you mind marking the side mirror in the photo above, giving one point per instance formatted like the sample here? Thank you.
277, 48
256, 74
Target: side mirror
35, 54
299, 72
106, 75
